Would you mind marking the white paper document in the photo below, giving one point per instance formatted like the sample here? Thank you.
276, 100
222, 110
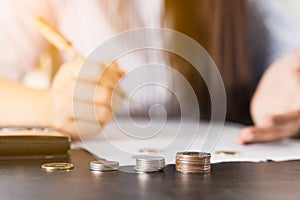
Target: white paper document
123, 139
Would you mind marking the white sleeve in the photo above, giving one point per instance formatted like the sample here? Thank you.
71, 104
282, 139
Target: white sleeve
83, 23
21, 44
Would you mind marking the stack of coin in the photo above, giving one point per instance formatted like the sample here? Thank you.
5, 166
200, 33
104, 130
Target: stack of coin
193, 162
104, 165
149, 163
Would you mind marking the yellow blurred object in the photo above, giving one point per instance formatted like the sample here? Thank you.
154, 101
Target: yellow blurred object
41, 76
56, 38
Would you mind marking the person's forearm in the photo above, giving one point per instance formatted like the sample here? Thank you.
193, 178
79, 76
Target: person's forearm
22, 106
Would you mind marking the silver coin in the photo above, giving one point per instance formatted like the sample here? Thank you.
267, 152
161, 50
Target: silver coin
149, 158
149, 163
104, 165
192, 155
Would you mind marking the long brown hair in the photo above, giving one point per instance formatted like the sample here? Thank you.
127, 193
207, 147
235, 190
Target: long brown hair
220, 27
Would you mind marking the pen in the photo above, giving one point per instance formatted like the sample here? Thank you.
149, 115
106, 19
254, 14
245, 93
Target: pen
60, 42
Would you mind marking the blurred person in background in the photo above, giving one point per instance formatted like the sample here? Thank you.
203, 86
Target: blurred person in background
238, 36
273, 43
46, 97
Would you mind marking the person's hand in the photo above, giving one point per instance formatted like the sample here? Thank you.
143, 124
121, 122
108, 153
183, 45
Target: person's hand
82, 99
275, 107
274, 128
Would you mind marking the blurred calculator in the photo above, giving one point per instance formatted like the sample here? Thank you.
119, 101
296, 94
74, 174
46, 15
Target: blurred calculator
33, 143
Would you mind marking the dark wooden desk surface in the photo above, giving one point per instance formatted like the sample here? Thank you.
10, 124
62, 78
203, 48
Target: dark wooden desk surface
25, 180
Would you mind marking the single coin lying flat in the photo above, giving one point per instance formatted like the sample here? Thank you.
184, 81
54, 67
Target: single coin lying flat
57, 166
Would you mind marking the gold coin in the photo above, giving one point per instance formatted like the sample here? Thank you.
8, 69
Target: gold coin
57, 166
227, 153
149, 151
